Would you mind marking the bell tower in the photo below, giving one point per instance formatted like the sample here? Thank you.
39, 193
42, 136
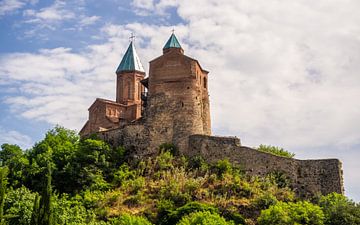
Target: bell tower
128, 87
178, 100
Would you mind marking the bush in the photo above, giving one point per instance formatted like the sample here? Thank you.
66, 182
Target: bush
275, 151
70, 211
127, 219
203, 218
222, 167
18, 206
339, 210
265, 201
168, 147
191, 207
292, 213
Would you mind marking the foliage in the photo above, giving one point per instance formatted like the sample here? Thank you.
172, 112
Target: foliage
176, 215
203, 218
13, 157
302, 212
339, 210
222, 167
275, 151
93, 183
18, 206
169, 147
71, 211
44, 212
3, 182
127, 219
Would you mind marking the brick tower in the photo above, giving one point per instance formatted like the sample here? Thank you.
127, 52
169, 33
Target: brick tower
178, 100
106, 114
128, 87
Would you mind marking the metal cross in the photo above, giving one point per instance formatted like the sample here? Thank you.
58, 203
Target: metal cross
132, 37
173, 30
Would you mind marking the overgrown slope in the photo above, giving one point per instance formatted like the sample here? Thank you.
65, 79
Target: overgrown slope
94, 183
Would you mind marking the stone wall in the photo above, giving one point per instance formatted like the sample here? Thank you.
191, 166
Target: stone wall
178, 102
134, 137
308, 177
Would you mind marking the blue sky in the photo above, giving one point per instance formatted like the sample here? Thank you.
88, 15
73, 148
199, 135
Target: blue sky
284, 73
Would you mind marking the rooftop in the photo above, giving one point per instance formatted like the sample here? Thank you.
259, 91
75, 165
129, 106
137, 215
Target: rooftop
172, 42
130, 61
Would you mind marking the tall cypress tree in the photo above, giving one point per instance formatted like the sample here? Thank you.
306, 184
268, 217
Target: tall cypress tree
3, 182
45, 206
36, 210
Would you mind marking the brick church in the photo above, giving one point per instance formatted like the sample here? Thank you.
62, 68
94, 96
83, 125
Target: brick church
171, 105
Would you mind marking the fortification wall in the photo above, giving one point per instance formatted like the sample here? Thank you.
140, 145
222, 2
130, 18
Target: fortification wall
134, 137
308, 177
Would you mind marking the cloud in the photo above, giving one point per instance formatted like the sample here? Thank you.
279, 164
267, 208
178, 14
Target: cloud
14, 137
281, 72
57, 85
60, 15
53, 13
10, 6
88, 20
150, 7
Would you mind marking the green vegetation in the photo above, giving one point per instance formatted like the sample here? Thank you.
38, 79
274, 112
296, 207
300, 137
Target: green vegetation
67, 180
275, 151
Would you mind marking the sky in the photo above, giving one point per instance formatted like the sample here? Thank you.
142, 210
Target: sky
282, 72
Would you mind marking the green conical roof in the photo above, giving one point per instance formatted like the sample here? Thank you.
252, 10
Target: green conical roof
172, 42
130, 61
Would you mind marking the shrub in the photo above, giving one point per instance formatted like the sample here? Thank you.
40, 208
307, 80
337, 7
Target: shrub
198, 162
123, 174
292, 213
265, 200
70, 211
339, 210
222, 167
275, 151
127, 219
18, 206
203, 218
279, 178
168, 147
191, 207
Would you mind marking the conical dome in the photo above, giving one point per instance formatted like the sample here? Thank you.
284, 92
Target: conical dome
130, 61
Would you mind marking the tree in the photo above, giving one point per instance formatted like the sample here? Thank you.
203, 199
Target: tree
18, 206
203, 218
282, 213
275, 151
14, 158
3, 182
45, 206
127, 219
339, 210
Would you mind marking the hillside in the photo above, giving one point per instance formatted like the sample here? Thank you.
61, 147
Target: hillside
93, 183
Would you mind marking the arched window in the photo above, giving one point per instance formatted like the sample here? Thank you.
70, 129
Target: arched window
205, 84
130, 92
139, 90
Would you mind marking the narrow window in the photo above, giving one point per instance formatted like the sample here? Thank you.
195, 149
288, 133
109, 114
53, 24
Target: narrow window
204, 82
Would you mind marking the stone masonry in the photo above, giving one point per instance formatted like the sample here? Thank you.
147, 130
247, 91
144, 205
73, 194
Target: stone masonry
175, 109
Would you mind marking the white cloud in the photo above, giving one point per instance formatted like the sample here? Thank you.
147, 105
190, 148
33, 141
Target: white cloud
62, 15
10, 6
281, 72
53, 13
14, 137
89, 20
151, 7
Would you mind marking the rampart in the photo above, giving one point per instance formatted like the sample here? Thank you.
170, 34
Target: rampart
307, 177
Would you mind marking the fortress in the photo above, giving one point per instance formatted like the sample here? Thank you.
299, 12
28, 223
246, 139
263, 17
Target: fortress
172, 105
